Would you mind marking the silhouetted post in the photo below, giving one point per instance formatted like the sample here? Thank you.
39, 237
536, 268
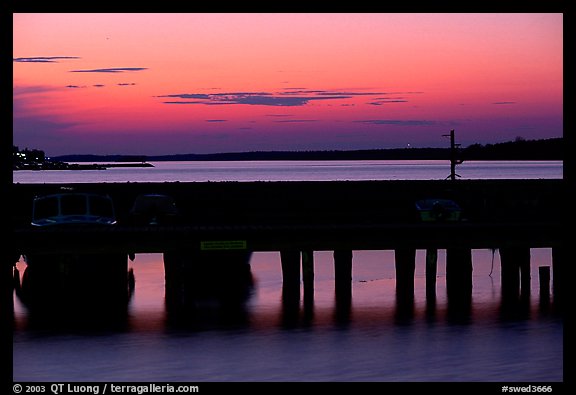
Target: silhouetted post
174, 276
453, 155
431, 271
558, 261
510, 275
459, 273
515, 262
290, 260
405, 262
544, 279
16, 279
343, 285
343, 272
8, 279
308, 275
291, 271
525, 277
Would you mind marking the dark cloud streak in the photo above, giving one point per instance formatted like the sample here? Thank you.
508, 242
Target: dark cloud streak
296, 120
249, 98
43, 59
110, 70
406, 122
288, 97
386, 101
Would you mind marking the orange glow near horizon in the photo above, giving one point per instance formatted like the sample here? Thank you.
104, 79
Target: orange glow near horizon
91, 83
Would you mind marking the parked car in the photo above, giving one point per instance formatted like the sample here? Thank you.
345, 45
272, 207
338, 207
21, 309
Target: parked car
154, 209
437, 210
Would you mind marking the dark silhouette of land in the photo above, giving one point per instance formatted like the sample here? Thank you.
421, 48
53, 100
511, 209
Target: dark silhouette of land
519, 149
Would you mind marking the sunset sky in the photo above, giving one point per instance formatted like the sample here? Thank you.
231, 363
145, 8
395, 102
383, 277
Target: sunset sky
201, 83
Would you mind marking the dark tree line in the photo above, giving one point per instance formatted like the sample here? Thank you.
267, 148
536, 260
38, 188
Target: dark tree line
519, 149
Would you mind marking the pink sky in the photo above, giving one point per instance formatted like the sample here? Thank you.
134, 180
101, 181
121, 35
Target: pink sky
197, 83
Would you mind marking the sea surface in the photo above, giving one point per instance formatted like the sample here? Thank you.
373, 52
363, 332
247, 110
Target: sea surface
337, 170
372, 338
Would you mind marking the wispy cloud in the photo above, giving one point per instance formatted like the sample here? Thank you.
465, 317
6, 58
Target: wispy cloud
281, 99
98, 85
288, 97
403, 122
32, 90
295, 120
189, 96
110, 70
504, 102
379, 102
43, 59
322, 92
182, 102
126, 84
216, 120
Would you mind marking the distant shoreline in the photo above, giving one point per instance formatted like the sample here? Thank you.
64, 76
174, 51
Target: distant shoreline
520, 149
49, 165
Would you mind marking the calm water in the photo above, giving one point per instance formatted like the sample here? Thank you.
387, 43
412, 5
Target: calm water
299, 171
265, 339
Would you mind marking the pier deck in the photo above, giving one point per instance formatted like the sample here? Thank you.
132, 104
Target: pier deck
297, 218
315, 215
319, 237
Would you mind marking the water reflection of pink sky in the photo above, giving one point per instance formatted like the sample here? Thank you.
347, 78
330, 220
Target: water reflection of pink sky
373, 289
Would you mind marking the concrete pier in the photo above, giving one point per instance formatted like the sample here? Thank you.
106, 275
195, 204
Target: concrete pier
299, 218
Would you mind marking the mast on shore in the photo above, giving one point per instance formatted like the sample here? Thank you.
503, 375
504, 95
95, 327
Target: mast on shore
453, 155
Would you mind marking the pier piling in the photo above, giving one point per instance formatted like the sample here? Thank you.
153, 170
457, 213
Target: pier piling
544, 280
343, 272
405, 262
431, 272
290, 260
558, 261
459, 273
16, 280
515, 262
308, 275
525, 278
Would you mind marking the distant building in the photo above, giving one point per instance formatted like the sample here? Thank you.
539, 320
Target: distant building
27, 157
